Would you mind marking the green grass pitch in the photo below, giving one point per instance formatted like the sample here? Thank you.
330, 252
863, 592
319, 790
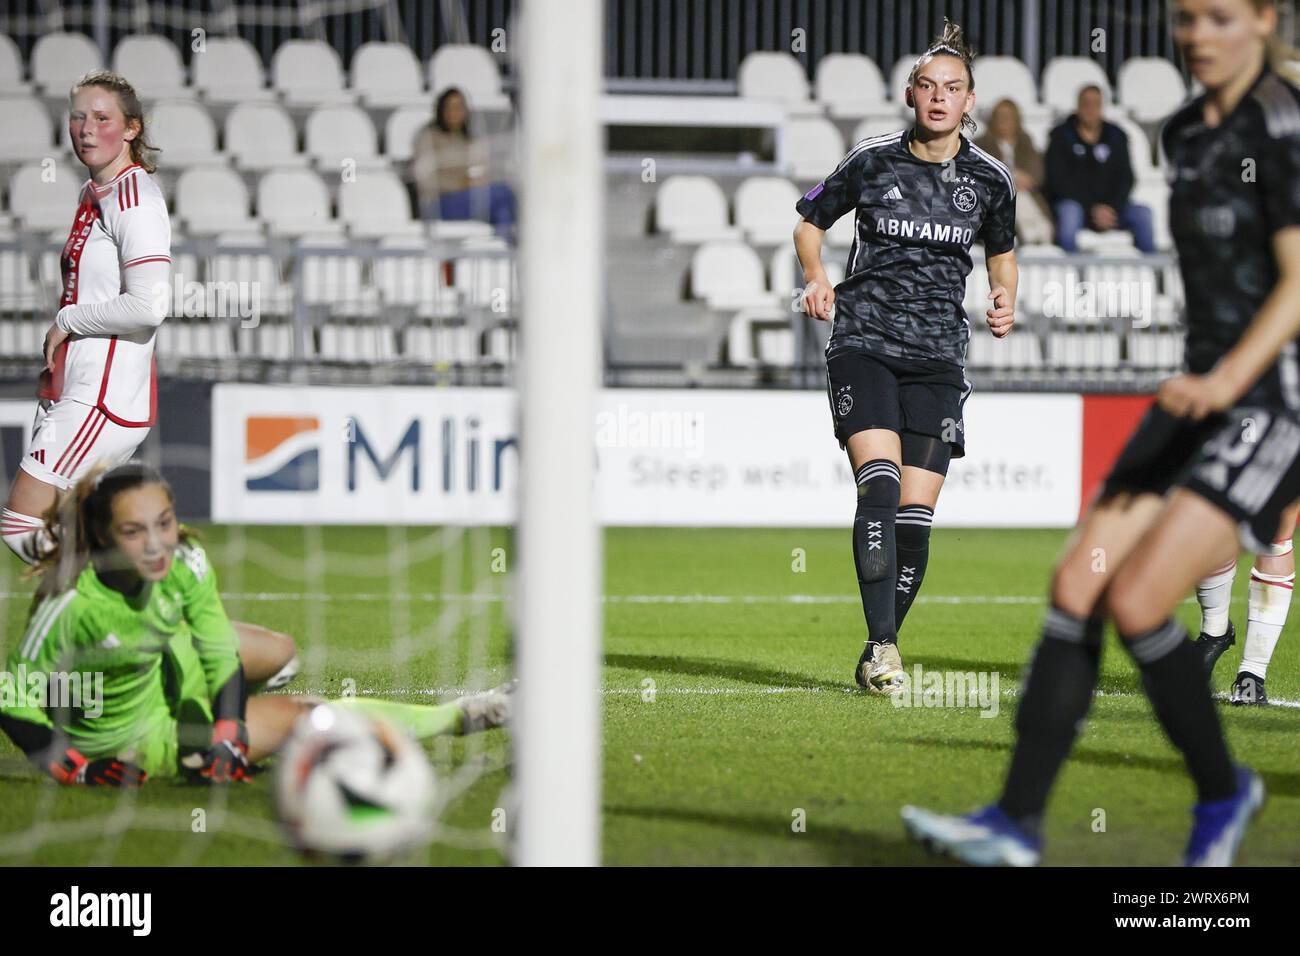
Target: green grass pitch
732, 734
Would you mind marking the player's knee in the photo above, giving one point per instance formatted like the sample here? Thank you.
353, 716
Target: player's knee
1074, 589
1127, 604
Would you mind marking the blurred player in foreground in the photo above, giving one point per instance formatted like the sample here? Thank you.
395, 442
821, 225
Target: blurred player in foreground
127, 593
1218, 456
896, 356
1272, 580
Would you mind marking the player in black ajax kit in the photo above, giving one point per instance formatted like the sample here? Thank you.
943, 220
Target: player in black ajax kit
896, 356
1215, 460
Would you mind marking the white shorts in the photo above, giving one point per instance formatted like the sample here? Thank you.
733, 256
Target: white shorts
68, 438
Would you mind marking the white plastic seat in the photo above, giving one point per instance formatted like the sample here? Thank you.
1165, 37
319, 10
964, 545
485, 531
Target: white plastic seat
473, 70
1155, 349
779, 77
230, 71
487, 283
241, 258
813, 148
692, 209
335, 134
309, 73
878, 126
333, 281
376, 205
1083, 350
41, 205
364, 344
153, 65
28, 132
1139, 147
294, 202
1007, 77
785, 280
261, 136
843, 231
19, 289
11, 69
729, 275
1150, 88
443, 343
60, 59
1018, 350
765, 210
387, 75
210, 200
1045, 287
186, 134
1066, 75
401, 129
898, 74
851, 86
1125, 291
413, 280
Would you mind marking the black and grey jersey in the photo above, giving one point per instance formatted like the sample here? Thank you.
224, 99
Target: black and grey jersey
905, 280
1232, 187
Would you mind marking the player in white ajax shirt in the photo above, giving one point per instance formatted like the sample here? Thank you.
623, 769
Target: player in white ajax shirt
98, 391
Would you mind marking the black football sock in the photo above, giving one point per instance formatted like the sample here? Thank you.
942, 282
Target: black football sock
1174, 678
873, 545
1054, 699
913, 539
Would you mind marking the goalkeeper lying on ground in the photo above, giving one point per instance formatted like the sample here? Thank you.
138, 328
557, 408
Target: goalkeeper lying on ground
127, 593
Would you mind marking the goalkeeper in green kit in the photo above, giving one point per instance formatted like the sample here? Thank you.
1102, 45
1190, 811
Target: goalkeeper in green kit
126, 595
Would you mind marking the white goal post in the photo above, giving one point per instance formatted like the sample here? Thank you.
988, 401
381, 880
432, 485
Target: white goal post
558, 620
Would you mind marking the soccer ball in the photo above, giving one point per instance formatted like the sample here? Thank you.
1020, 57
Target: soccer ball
352, 788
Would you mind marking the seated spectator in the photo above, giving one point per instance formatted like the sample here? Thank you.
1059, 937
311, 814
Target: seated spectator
1089, 177
1008, 141
450, 170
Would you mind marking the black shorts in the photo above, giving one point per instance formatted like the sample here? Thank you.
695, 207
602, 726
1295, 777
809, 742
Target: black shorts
1245, 462
902, 395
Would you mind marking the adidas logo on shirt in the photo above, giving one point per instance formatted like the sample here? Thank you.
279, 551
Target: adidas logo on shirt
893, 194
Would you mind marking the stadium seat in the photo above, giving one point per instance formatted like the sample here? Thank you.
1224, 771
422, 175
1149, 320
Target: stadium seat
185, 133
211, 200
1095, 350
22, 338
1150, 88
473, 70
43, 205
850, 86
728, 275
1152, 349
243, 258
11, 69
60, 59
152, 64
1019, 351
330, 278
387, 75
412, 281
19, 289
898, 77
456, 344
365, 344
376, 204
338, 134
1043, 284
1064, 76
843, 232
814, 148
765, 210
294, 202
309, 73
261, 136
229, 70
1123, 291
785, 279
1006, 77
779, 77
499, 344
487, 284
1139, 147
29, 133
692, 209
445, 230
401, 129
880, 125
757, 337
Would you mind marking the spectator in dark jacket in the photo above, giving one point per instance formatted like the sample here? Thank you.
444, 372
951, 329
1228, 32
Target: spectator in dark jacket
1089, 177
